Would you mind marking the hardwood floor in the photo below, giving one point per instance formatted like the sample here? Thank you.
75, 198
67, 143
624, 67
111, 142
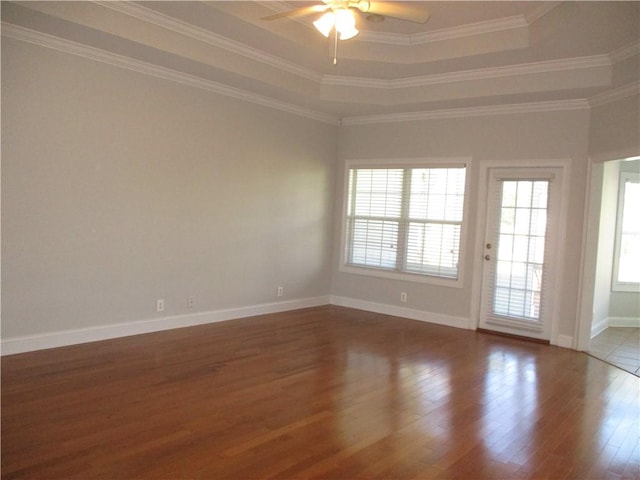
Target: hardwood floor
327, 392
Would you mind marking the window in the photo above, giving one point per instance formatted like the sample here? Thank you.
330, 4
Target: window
405, 222
626, 266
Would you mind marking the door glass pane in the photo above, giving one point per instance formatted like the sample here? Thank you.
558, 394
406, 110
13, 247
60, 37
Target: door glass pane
521, 240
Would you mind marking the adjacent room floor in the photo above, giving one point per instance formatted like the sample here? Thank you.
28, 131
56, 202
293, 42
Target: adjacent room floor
619, 346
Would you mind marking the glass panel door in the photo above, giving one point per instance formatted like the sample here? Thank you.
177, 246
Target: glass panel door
520, 251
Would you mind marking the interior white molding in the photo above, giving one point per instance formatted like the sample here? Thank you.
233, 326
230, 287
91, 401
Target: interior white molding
541, 10
480, 28
595, 61
67, 46
597, 327
10, 346
615, 94
186, 29
631, 50
210, 38
29, 343
551, 106
403, 312
96, 54
624, 322
563, 341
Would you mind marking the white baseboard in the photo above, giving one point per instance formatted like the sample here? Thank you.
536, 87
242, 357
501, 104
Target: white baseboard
564, 341
10, 346
624, 322
413, 314
597, 327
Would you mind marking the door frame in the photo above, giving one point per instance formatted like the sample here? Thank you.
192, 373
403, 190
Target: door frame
481, 223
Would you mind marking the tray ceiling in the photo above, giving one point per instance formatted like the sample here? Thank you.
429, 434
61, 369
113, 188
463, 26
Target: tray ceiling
468, 55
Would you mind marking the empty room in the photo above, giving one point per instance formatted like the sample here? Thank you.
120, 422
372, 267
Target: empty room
338, 239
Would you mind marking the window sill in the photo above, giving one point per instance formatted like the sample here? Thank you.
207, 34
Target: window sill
626, 288
402, 276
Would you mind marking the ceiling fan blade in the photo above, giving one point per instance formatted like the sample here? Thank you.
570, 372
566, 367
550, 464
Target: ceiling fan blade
298, 12
401, 11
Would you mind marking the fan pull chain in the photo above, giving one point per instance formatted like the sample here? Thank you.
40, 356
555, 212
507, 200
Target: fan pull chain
335, 47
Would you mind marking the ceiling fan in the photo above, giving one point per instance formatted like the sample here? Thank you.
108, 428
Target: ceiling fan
410, 13
339, 16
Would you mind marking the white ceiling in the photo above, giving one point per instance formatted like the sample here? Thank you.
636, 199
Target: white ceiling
468, 55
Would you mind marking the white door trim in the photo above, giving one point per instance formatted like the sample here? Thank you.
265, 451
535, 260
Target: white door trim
481, 219
588, 255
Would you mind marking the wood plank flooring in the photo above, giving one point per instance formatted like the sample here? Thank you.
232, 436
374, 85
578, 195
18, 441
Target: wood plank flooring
326, 392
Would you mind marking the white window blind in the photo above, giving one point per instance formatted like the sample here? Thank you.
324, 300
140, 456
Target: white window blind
627, 241
405, 219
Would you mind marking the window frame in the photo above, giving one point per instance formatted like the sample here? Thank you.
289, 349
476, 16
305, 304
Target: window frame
397, 274
617, 286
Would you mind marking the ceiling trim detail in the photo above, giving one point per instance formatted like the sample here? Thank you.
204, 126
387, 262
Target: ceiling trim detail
49, 41
188, 30
453, 33
67, 46
183, 28
625, 52
471, 75
614, 95
552, 106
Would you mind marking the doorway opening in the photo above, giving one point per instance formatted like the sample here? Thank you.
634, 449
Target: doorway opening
614, 333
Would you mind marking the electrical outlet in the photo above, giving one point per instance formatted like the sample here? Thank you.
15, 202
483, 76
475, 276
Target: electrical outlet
160, 305
191, 302
403, 296
280, 291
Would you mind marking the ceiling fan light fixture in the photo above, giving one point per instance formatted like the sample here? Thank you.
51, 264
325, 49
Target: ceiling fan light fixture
347, 34
342, 19
346, 23
345, 20
325, 23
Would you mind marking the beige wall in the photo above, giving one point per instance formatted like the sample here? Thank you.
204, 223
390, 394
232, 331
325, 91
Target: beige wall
516, 138
614, 131
119, 188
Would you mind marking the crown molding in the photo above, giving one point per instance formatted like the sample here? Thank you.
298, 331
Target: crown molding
96, 54
183, 28
479, 28
169, 23
471, 29
553, 106
610, 96
623, 53
595, 61
540, 11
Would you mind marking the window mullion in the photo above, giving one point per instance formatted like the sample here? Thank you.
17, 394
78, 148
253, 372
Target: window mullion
403, 223
351, 212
